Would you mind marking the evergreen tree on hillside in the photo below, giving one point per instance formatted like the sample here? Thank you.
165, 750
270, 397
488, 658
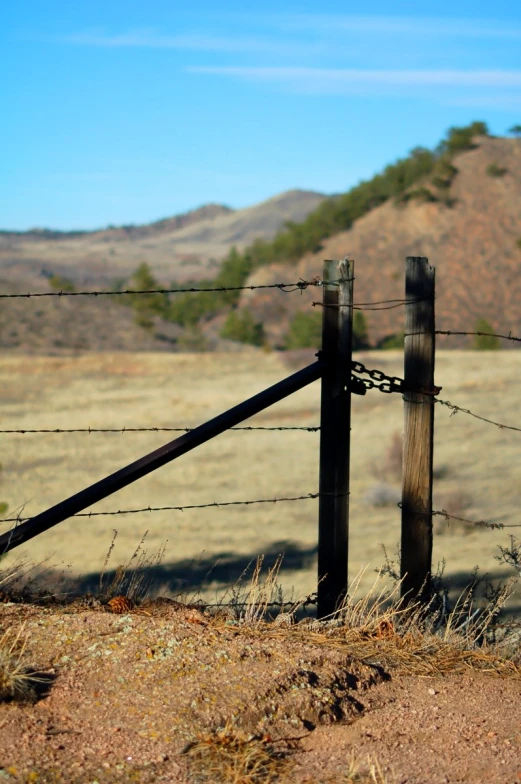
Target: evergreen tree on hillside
338, 214
242, 327
146, 306
486, 341
305, 330
407, 178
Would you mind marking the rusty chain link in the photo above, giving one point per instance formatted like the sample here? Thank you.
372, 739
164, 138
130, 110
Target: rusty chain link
384, 383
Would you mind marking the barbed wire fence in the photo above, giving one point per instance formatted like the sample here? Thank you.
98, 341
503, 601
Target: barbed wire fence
376, 379
298, 286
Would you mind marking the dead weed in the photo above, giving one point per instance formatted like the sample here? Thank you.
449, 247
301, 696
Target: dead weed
229, 756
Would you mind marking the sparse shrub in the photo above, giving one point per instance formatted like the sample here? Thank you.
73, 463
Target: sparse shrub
518, 242
144, 320
444, 174
229, 754
242, 327
511, 555
16, 681
305, 330
484, 341
146, 305
192, 339
422, 194
360, 333
188, 309
462, 138
118, 284
392, 341
515, 130
130, 583
59, 283
494, 170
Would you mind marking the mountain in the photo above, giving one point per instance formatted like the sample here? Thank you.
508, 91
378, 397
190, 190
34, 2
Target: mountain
459, 205
183, 247
473, 238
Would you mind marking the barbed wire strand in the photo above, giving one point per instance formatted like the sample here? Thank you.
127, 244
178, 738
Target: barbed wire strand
301, 285
459, 409
481, 334
447, 516
214, 504
387, 304
310, 600
481, 523
26, 431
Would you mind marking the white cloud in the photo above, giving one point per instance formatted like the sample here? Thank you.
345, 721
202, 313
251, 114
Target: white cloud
149, 39
394, 25
498, 102
345, 77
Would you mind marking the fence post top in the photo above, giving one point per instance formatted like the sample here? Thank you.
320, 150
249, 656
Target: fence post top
336, 270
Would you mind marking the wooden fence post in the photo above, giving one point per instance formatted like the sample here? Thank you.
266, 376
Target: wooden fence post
335, 424
416, 541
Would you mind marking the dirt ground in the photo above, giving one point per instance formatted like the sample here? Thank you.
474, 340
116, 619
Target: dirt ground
124, 697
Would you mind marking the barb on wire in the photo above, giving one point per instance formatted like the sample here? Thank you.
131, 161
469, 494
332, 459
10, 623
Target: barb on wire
384, 304
309, 601
26, 431
447, 516
301, 285
457, 409
215, 505
481, 523
481, 334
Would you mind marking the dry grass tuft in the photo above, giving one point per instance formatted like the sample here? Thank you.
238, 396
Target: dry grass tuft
229, 756
130, 582
356, 773
369, 774
16, 680
379, 629
250, 603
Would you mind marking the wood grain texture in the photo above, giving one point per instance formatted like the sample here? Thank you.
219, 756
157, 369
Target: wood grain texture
416, 539
335, 420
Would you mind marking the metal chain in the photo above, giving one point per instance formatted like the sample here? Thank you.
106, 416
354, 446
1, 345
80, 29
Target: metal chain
378, 379
388, 384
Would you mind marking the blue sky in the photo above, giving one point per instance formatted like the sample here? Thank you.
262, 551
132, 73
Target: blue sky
126, 112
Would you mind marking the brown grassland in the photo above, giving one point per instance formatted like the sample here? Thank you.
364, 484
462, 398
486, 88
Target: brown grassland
474, 462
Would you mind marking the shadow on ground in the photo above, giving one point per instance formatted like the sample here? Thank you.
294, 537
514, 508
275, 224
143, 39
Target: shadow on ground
221, 570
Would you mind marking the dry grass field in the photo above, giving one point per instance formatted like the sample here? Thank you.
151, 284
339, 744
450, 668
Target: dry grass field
475, 464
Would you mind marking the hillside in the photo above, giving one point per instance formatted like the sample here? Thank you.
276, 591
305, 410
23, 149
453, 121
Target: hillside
459, 204
183, 247
474, 245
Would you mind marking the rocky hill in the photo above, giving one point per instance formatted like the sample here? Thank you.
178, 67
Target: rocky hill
475, 245
459, 205
183, 247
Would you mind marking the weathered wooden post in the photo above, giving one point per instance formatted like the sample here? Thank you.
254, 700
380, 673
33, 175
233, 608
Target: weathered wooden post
416, 542
335, 426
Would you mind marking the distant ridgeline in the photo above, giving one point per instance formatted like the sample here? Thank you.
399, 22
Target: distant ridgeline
423, 175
